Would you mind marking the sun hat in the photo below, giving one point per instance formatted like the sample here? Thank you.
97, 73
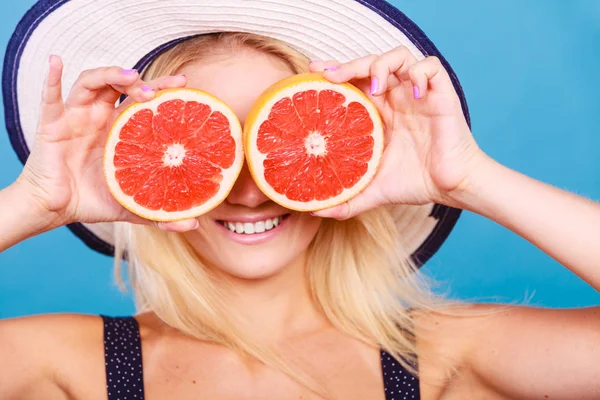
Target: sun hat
131, 33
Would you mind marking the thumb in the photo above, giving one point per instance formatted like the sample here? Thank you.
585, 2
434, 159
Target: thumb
173, 226
179, 226
346, 210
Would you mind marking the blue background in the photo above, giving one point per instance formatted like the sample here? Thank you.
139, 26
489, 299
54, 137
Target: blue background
530, 73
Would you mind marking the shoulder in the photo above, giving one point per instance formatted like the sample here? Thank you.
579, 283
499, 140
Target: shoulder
458, 330
48, 351
446, 340
496, 345
467, 323
28, 333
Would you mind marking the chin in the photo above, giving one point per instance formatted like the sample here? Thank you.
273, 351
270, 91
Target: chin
254, 246
252, 269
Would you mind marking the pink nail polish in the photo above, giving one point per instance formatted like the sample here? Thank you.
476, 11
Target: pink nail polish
331, 69
146, 88
374, 85
129, 71
312, 61
313, 214
416, 92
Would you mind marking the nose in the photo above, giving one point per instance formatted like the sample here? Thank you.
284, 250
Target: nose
245, 192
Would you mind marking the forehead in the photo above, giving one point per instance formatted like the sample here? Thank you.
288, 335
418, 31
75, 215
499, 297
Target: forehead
238, 80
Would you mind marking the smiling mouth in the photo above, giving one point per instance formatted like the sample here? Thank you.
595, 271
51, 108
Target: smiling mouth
252, 228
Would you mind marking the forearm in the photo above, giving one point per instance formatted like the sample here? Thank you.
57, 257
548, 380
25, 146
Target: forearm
564, 225
21, 217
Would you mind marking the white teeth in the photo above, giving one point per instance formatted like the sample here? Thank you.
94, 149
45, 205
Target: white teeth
250, 228
269, 224
239, 227
259, 227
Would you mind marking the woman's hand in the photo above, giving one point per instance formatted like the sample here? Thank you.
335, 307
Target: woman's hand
64, 172
430, 152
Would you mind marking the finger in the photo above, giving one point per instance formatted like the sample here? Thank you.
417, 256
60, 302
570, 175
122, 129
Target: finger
140, 91
346, 210
179, 226
320, 66
90, 83
168, 82
429, 74
158, 84
388, 71
52, 103
356, 69
340, 212
176, 226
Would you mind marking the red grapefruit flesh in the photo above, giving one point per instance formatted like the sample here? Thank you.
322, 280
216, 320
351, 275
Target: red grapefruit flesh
174, 157
312, 144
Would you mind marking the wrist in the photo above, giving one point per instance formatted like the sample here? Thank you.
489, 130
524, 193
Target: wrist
25, 203
468, 195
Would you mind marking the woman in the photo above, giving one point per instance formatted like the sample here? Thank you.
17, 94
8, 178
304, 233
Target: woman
329, 306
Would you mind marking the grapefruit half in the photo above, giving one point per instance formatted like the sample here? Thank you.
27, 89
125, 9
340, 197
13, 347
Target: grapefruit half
174, 157
311, 144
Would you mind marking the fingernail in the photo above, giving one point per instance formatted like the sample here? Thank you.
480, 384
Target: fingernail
331, 69
129, 71
181, 75
312, 61
374, 85
197, 225
416, 92
313, 214
146, 88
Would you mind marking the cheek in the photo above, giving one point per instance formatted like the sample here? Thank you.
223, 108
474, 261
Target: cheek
201, 239
308, 226
300, 236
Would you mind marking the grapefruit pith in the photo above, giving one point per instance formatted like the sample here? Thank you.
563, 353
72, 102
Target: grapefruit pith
311, 144
174, 157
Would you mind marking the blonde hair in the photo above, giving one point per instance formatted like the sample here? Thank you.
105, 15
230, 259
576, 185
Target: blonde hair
358, 272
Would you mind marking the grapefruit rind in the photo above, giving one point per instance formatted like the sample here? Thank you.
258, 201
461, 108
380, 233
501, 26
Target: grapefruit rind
287, 88
229, 174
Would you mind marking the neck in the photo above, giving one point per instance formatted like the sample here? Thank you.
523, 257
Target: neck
278, 307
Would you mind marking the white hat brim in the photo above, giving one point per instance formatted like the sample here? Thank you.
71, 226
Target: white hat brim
129, 33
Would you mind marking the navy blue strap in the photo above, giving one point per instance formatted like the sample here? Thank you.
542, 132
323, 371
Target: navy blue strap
123, 359
399, 384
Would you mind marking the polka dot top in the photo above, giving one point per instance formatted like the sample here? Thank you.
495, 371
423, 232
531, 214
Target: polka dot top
125, 378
